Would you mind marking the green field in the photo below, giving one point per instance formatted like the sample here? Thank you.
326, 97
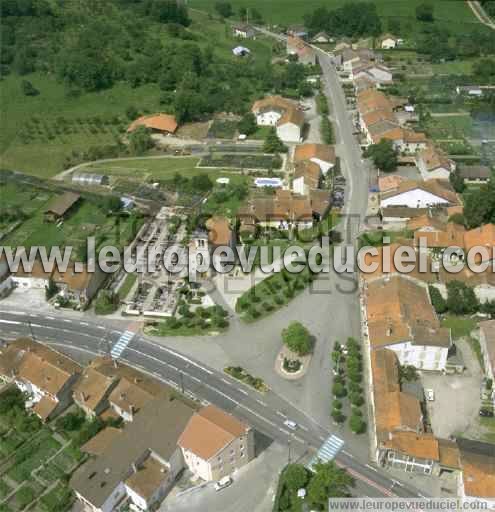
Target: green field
44, 156
162, 169
292, 11
86, 220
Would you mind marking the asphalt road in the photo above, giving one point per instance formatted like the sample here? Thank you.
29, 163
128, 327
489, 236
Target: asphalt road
265, 412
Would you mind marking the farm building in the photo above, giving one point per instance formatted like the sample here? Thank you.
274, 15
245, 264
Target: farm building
60, 206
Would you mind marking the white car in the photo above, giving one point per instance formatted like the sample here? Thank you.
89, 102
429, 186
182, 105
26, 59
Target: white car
290, 424
222, 483
430, 395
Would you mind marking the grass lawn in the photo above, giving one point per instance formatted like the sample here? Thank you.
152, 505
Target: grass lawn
127, 285
292, 11
459, 325
29, 141
271, 294
451, 127
456, 67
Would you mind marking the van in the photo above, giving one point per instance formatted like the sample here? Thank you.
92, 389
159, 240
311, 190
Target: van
222, 483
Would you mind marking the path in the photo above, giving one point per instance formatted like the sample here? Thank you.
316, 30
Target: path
480, 13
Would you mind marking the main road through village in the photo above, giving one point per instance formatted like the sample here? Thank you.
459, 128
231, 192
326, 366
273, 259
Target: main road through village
329, 316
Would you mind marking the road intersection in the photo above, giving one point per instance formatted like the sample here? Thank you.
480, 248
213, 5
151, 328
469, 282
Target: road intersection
266, 412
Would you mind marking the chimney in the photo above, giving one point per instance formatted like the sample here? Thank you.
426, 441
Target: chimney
389, 330
134, 467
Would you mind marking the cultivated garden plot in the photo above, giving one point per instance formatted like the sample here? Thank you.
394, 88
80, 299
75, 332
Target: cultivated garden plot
241, 161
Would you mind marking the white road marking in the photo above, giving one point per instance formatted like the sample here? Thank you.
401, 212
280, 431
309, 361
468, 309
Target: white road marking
242, 391
49, 317
12, 322
194, 378
281, 414
257, 415
371, 467
225, 380
84, 323
67, 320
348, 454
303, 428
100, 327
261, 402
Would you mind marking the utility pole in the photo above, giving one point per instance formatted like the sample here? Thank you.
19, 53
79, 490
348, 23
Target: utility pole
181, 376
31, 330
288, 449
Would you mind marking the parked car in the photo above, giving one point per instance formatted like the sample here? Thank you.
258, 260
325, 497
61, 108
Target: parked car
222, 483
430, 395
290, 424
486, 413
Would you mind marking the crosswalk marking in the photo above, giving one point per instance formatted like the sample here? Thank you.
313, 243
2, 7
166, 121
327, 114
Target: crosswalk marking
327, 452
121, 344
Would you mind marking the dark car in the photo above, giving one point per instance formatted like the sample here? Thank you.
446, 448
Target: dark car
486, 413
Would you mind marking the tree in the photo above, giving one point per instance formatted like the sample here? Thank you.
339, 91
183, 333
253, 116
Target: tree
51, 289
461, 299
356, 423
437, 301
356, 399
140, 141
224, 9
247, 125
383, 154
273, 144
297, 338
329, 481
424, 12
457, 181
70, 421
295, 476
457, 218
28, 89
338, 390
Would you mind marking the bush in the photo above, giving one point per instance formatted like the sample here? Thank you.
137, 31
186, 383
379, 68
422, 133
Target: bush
297, 338
107, 302
356, 423
338, 390
438, 302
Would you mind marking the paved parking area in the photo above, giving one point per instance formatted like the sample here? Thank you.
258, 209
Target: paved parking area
457, 397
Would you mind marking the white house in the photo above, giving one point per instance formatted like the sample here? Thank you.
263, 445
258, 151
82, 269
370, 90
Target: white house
377, 73
290, 126
434, 164
214, 444
388, 42
322, 38
269, 110
244, 31
321, 154
306, 177
418, 194
399, 316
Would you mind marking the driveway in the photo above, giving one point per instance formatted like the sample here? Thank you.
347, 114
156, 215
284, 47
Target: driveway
313, 121
457, 397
